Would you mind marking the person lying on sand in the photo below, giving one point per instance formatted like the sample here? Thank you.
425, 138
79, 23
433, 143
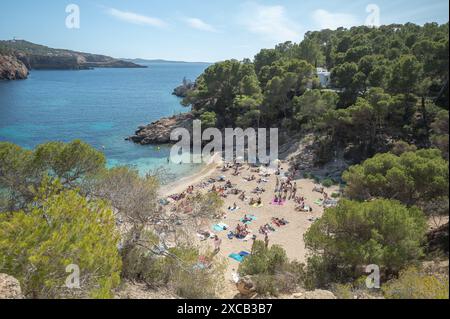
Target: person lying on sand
246, 219
318, 189
280, 222
234, 191
241, 231
266, 229
242, 196
258, 190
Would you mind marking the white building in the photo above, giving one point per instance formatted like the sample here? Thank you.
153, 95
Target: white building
324, 76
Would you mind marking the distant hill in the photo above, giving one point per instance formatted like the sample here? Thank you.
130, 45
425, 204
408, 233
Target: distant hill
153, 61
36, 56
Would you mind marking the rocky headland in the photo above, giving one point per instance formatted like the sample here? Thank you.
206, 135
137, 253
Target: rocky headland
159, 132
183, 89
18, 57
12, 69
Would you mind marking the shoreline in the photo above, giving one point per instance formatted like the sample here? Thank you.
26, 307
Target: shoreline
183, 183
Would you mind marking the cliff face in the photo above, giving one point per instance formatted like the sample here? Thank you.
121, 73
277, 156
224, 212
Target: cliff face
159, 132
39, 57
12, 69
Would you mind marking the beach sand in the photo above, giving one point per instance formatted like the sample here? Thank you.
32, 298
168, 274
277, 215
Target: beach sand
290, 237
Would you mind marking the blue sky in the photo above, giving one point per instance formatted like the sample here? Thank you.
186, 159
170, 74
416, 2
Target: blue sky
196, 30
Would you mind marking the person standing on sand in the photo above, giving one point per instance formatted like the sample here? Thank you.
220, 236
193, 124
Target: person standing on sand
266, 240
217, 243
294, 190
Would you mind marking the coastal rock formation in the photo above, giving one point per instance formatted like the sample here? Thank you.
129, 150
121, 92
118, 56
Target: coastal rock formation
9, 288
183, 90
39, 57
159, 132
12, 69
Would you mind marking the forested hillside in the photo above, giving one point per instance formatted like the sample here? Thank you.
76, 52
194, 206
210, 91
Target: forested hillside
389, 84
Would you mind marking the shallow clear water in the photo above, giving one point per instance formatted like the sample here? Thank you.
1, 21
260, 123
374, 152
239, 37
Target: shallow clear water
100, 107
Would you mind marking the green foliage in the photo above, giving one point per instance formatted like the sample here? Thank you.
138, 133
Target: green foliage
414, 178
22, 171
390, 83
440, 132
135, 197
353, 234
209, 119
401, 147
312, 105
328, 182
177, 269
271, 270
263, 260
61, 228
413, 284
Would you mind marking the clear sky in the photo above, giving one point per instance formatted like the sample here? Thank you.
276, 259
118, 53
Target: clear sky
196, 30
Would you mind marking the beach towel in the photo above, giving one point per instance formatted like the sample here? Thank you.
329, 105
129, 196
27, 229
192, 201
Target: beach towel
220, 227
319, 202
258, 206
237, 257
278, 203
164, 202
253, 218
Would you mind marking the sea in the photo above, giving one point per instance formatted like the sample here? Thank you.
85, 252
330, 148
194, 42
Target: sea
101, 107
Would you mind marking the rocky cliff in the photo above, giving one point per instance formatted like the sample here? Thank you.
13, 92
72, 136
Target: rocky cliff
12, 69
37, 57
159, 132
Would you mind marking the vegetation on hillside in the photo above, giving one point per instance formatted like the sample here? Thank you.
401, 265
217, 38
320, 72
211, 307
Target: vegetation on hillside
388, 107
61, 206
389, 84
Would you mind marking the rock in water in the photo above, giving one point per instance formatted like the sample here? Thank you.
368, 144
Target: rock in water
159, 132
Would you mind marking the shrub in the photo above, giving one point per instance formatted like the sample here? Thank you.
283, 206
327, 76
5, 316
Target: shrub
60, 229
328, 182
412, 284
353, 234
414, 178
177, 268
271, 270
266, 285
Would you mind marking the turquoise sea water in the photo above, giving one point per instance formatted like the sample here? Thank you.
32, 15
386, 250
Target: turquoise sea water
100, 107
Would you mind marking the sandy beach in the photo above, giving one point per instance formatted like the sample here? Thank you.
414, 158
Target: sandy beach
290, 237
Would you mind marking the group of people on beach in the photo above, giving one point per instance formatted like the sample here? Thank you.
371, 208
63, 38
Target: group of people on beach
284, 190
241, 232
